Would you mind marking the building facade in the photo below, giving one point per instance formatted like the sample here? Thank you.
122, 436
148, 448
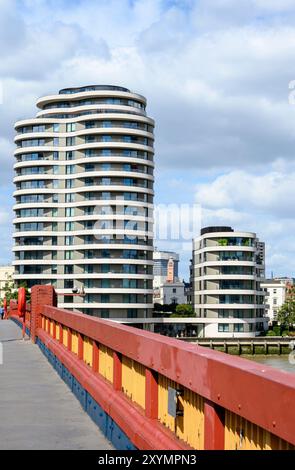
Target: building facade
165, 267
170, 293
6, 273
84, 200
275, 295
228, 268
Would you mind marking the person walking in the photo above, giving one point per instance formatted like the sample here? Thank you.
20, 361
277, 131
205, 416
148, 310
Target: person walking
1, 313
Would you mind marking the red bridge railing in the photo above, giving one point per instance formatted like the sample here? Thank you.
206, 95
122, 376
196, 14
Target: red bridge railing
163, 393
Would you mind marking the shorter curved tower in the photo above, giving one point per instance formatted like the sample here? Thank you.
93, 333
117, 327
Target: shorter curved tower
228, 267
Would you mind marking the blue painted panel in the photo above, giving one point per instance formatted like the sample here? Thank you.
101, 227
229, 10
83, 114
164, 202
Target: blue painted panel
79, 392
97, 414
58, 367
67, 377
51, 358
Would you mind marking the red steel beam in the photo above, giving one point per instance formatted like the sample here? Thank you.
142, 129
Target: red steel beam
261, 394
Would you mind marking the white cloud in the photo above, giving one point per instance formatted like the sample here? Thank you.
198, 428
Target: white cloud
215, 73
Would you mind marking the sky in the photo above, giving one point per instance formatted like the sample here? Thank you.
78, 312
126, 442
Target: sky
216, 74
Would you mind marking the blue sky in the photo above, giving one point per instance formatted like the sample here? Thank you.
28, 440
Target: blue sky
216, 75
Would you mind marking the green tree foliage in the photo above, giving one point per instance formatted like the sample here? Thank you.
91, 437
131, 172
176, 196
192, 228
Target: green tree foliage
11, 291
286, 314
183, 310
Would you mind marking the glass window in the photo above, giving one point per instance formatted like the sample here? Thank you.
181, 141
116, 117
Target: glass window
70, 211
69, 155
71, 127
68, 254
55, 127
223, 327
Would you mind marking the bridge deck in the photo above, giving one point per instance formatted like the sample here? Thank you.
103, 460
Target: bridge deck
37, 410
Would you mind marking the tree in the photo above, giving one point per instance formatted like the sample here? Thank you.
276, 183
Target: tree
183, 310
286, 314
11, 291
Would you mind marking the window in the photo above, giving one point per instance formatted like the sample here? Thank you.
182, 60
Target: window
55, 170
69, 269
69, 155
70, 169
55, 127
105, 283
55, 155
105, 313
105, 268
70, 197
55, 184
69, 240
106, 138
69, 284
223, 327
89, 167
131, 313
275, 301
89, 181
69, 226
105, 298
68, 255
55, 141
106, 166
70, 212
54, 269
70, 141
238, 327
106, 124
55, 198
106, 152
69, 184
71, 127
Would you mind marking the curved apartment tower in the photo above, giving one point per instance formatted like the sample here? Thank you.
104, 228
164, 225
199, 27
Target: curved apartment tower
228, 267
84, 200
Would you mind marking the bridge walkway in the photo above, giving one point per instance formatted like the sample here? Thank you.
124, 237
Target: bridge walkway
37, 410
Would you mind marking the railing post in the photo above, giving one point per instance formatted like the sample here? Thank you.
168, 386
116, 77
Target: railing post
54, 330
214, 426
95, 357
151, 394
61, 334
69, 339
117, 372
40, 296
80, 346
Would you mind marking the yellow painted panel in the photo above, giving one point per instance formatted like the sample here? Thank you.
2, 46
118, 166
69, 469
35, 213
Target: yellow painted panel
87, 350
57, 331
51, 327
75, 342
43, 322
190, 426
133, 380
241, 434
65, 336
106, 362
